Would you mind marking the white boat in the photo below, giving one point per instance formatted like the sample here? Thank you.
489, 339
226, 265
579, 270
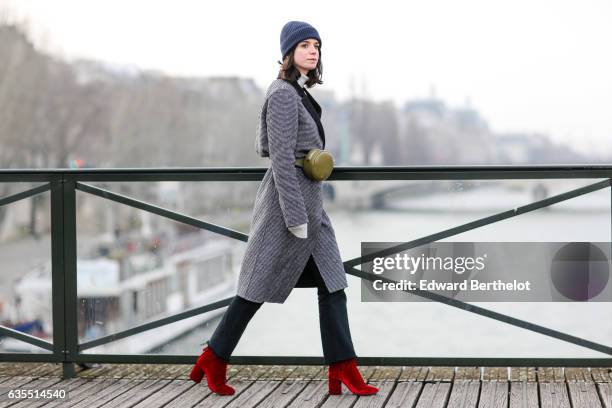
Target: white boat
114, 295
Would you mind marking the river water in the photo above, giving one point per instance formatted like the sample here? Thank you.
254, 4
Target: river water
426, 329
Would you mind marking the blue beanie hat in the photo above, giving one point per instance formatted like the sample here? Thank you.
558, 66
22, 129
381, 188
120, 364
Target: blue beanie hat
295, 31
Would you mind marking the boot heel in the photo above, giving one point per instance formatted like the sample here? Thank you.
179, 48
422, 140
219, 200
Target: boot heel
196, 374
335, 386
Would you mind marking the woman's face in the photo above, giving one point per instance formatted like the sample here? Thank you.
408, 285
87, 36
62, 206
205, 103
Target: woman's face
306, 55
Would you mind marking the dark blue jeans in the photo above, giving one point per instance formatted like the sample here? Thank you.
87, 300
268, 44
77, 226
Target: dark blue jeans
333, 322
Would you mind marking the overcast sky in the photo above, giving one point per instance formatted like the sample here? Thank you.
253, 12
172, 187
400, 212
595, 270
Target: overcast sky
526, 65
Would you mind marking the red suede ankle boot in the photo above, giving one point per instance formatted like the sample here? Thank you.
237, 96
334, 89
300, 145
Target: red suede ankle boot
215, 370
346, 372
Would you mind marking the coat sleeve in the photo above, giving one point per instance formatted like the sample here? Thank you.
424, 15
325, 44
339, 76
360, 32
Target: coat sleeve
282, 125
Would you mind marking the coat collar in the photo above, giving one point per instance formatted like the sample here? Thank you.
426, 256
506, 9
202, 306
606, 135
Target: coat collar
302, 80
311, 106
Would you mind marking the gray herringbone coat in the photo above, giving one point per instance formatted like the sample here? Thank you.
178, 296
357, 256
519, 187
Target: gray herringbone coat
275, 258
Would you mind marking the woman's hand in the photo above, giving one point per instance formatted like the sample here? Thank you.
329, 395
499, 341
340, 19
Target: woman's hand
300, 231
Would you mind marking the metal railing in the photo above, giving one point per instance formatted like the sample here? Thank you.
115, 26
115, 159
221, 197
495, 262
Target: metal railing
63, 184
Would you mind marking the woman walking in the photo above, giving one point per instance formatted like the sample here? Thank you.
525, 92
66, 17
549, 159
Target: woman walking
291, 241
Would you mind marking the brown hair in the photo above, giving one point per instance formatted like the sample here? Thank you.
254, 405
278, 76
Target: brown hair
289, 72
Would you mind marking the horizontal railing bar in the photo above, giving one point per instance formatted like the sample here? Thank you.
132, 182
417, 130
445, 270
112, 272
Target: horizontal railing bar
25, 194
435, 361
480, 222
155, 324
173, 215
365, 361
467, 173
16, 334
489, 313
22, 176
569, 171
31, 357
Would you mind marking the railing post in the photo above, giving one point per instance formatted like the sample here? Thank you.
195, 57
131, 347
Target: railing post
57, 274
70, 275
63, 274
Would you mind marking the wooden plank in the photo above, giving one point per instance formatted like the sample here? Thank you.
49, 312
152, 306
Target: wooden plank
605, 392
413, 373
601, 374
284, 394
256, 393
550, 374
98, 370
440, 374
366, 372
263, 387
45, 370
11, 369
56, 369
79, 394
295, 382
313, 395
308, 373
468, 373
191, 396
495, 374
148, 371
242, 381
524, 394
95, 398
178, 371
141, 371
199, 392
232, 371
138, 393
20, 369
166, 394
172, 371
345, 399
164, 372
322, 374
464, 394
385, 389
578, 374
252, 372
117, 371
521, 374
553, 395
131, 371
434, 395
386, 373
278, 372
405, 394
583, 394
493, 394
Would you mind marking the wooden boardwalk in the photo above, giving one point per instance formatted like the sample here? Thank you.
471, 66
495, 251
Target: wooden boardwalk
135, 385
